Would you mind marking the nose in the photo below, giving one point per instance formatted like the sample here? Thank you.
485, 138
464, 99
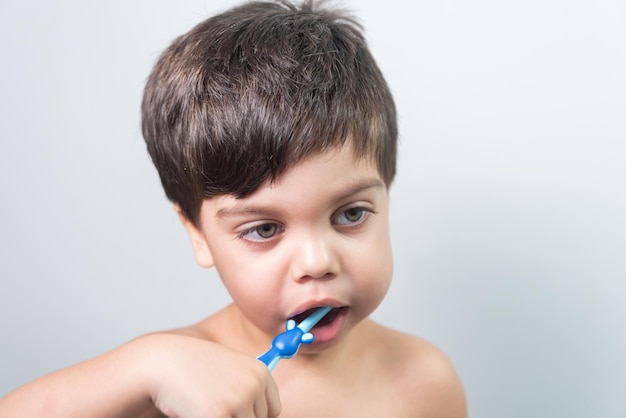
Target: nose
314, 257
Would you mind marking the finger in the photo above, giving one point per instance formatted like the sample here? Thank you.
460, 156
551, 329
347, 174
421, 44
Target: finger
274, 407
260, 408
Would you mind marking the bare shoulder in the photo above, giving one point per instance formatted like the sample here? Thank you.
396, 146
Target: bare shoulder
421, 373
193, 331
211, 328
188, 331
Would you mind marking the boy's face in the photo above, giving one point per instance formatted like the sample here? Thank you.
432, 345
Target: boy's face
317, 236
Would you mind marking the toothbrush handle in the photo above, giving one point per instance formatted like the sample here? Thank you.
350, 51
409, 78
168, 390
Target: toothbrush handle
271, 358
310, 321
286, 344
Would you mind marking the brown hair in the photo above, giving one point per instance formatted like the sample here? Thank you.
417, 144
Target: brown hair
248, 93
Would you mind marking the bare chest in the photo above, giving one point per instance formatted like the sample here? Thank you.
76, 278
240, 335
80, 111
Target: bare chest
359, 399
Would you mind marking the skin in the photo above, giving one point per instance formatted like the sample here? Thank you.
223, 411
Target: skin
318, 235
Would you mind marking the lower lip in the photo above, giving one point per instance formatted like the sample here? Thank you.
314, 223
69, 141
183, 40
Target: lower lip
328, 332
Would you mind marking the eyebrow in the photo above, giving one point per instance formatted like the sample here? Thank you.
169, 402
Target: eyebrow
239, 209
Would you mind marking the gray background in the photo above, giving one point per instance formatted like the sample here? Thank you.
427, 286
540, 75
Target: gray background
508, 212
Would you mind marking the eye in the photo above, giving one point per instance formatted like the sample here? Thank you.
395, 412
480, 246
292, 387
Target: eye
261, 232
351, 216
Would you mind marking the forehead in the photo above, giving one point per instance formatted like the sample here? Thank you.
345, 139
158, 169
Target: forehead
333, 168
340, 156
326, 178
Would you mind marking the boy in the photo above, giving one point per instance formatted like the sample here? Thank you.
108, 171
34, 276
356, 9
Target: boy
274, 135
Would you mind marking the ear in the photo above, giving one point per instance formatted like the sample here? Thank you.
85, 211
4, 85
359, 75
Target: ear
198, 241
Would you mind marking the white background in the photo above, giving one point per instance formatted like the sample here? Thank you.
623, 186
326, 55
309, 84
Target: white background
508, 214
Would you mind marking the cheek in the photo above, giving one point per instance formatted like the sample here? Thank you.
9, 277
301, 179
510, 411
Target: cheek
382, 281
375, 268
251, 282
242, 282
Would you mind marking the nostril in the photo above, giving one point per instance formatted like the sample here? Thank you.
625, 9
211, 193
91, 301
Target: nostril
322, 276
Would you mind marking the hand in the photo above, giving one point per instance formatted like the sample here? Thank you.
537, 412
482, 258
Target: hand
190, 377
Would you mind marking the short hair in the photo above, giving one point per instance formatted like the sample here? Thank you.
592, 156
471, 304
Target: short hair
248, 93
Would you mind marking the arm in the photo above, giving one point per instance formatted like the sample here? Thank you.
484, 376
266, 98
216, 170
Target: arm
181, 376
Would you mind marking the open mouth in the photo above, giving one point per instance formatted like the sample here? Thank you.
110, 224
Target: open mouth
327, 319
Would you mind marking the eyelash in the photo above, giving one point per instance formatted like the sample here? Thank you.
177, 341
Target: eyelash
363, 217
245, 234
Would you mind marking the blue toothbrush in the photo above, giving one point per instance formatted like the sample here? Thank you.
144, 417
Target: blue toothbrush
286, 344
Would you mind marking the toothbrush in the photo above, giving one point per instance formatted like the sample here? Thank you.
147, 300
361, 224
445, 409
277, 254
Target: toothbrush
286, 344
